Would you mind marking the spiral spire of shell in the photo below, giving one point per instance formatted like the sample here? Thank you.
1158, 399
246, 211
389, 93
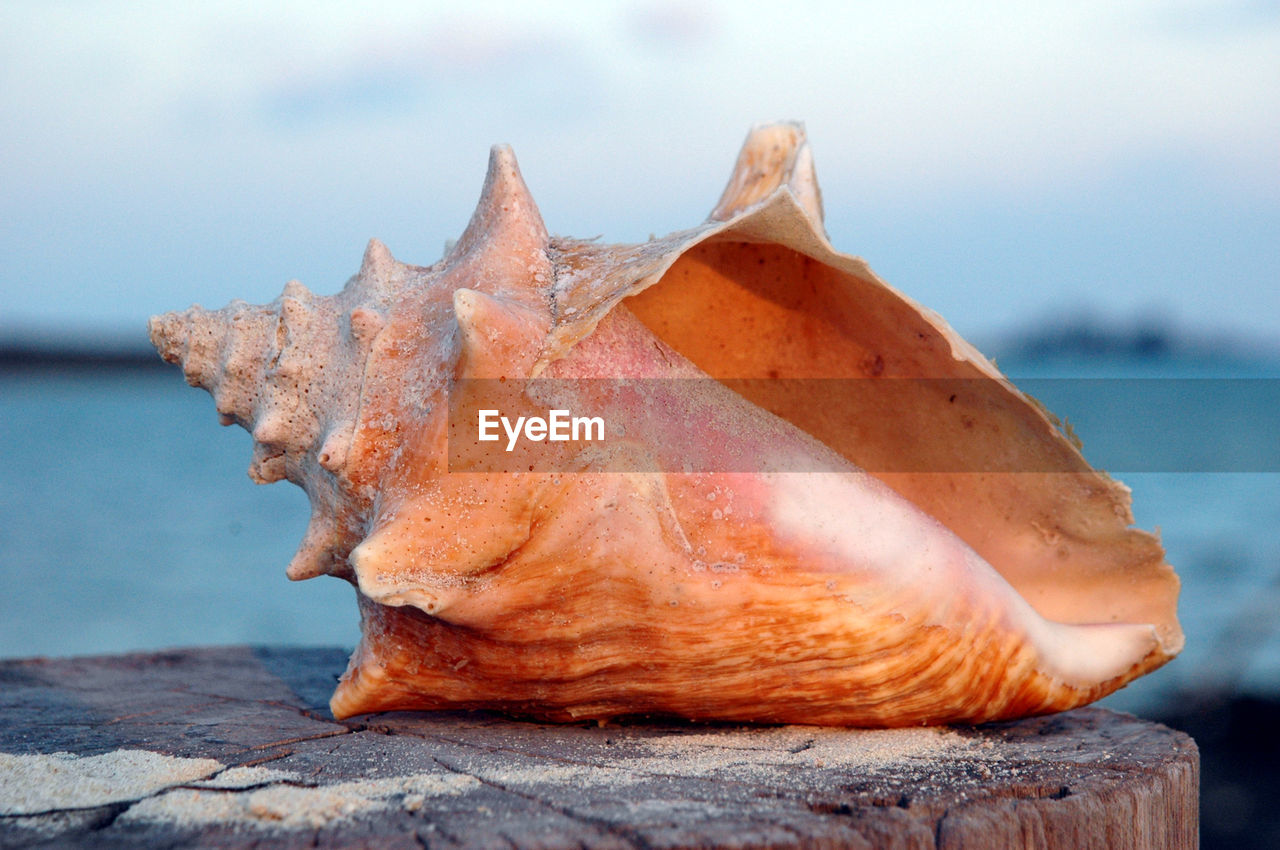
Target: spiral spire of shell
289, 373
327, 395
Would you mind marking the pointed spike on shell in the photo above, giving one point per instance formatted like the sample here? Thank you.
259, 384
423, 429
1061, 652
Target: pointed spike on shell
314, 556
377, 267
295, 289
468, 304
774, 156
498, 335
506, 216
503, 251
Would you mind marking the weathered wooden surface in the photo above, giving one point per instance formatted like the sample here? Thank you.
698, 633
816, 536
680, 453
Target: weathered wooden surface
280, 772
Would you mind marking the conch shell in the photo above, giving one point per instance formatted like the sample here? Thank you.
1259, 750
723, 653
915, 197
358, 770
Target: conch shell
826, 507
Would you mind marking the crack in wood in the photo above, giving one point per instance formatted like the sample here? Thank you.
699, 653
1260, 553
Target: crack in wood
111, 813
263, 759
139, 714
301, 739
66, 810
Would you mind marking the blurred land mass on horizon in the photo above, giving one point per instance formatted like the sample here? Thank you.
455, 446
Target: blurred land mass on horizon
1080, 334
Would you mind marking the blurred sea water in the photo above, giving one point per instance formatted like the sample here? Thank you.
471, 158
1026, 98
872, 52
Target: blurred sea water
129, 522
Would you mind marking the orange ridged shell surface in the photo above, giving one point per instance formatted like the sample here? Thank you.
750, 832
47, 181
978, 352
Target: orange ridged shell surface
823, 507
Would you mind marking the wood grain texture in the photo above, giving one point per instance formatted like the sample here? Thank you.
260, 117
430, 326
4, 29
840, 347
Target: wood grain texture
1086, 778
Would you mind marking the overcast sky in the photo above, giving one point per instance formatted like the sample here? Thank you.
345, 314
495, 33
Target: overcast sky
1000, 162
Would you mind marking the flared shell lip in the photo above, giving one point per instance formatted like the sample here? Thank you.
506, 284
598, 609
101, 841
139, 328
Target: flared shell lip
778, 219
